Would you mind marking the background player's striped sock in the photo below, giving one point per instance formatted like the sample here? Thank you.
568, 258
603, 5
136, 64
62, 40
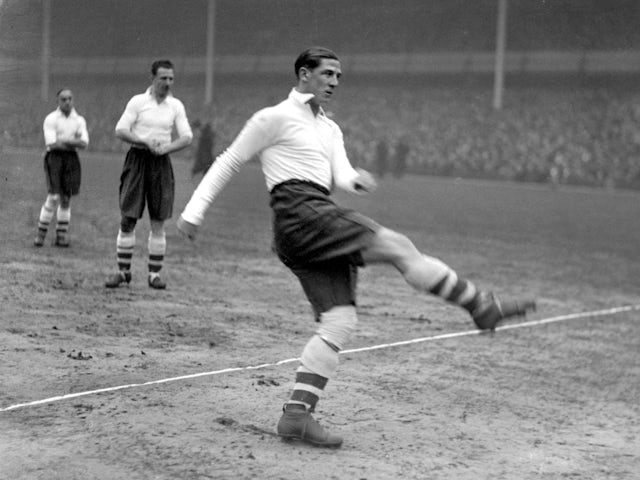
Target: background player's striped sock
124, 250
157, 246
46, 215
63, 217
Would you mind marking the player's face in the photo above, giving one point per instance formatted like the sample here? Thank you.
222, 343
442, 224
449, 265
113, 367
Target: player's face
65, 101
322, 80
162, 81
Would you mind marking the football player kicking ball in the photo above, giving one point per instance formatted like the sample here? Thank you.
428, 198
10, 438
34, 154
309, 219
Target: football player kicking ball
303, 158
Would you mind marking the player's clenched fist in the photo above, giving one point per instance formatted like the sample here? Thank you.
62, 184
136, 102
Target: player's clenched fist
364, 182
189, 230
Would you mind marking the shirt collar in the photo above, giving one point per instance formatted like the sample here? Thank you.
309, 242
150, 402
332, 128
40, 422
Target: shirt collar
73, 112
303, 99
148, 92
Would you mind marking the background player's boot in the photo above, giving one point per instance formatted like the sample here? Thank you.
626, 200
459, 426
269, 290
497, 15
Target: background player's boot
156, 282
298, 423
114, 281
39, 240
62, 240
492, 311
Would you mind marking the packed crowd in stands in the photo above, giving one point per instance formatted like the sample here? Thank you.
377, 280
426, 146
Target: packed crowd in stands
567, 133
579, 135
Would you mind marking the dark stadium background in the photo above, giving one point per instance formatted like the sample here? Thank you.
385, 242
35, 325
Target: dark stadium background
417, 70
110, 27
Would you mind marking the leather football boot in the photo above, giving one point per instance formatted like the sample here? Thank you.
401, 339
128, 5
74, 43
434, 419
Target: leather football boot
157, 283
62, 240
38, 241
297, 423
492, 311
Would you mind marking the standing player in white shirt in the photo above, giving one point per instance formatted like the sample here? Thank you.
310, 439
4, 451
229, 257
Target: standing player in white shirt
64, 132
147, 175
303, 158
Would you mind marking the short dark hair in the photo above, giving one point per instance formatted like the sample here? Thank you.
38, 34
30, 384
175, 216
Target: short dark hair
62, 90
312, 57
160, 64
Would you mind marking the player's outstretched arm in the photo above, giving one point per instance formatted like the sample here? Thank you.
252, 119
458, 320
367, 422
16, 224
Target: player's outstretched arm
247, 144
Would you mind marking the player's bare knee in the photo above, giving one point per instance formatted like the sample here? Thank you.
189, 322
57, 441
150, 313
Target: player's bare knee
397, 247
157, 227
52, 201
128, 224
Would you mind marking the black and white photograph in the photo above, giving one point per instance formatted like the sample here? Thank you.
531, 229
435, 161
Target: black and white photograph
319, 239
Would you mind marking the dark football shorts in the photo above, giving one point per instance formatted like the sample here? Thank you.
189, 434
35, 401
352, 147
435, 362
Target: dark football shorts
146, 179
62, 171
320, 242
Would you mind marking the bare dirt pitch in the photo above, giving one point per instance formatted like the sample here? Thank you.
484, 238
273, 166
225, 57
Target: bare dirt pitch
542, 402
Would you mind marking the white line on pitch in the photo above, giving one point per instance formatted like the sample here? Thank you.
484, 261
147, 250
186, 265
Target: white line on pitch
572, 316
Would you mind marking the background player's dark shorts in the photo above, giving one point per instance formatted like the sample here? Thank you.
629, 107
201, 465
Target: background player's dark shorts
147, 179
320, 242
62, 171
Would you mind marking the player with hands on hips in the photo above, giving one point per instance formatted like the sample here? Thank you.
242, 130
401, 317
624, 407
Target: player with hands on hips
303, 159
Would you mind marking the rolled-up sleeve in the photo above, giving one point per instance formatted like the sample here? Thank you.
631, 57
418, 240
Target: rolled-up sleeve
129, 116
344, 174
49, 129
182, 122
84, 133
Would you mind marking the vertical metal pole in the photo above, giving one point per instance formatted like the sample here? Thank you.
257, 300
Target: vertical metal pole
501, 33
46, 48
209, 73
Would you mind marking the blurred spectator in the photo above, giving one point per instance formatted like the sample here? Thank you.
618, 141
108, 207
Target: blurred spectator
567, 134
382, 158
204, 153
400, 157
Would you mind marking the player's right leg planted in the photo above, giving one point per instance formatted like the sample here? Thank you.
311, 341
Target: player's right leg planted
430, 275
319, 362
45, 217
124, 253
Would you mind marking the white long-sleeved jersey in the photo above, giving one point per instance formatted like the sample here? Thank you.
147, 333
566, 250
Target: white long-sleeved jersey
291, 142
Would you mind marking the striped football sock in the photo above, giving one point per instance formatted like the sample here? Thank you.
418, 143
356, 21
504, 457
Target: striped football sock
308, 388
433, 276
457, 291
63, 217
46, 215
157, 246
318, 363
124, 249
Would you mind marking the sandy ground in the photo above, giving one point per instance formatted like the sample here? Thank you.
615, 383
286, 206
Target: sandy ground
549, 401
